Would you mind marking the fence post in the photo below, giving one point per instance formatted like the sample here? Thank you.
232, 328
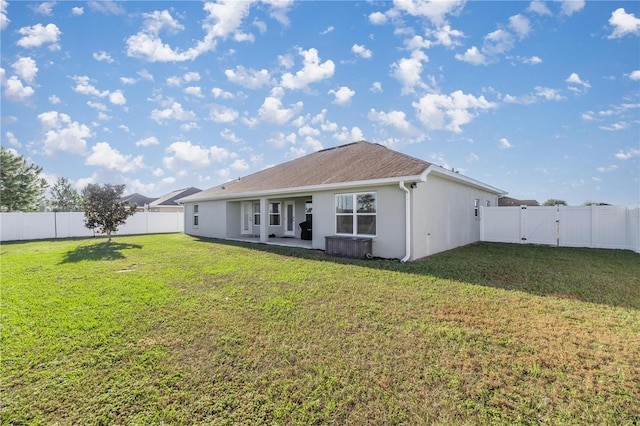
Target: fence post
523, 224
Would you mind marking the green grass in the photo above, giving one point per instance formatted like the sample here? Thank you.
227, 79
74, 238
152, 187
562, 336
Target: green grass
169, 329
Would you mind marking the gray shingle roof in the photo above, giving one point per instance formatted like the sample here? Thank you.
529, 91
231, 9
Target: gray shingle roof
354, 162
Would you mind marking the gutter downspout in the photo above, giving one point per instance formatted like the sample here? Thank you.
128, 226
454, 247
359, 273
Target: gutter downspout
407, 227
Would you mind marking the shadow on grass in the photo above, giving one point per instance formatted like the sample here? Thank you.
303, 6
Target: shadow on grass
98, 251
610, 277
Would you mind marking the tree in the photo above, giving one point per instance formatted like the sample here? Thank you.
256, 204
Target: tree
64, 197
21, 187
554, 202
103, 209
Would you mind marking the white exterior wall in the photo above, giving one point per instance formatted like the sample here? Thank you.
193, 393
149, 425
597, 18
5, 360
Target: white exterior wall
212, 219
443, 215
390, 219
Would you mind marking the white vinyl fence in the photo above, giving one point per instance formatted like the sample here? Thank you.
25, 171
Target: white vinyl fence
607, 227
39, 226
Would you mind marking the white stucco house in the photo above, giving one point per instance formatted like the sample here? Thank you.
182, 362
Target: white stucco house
402, 207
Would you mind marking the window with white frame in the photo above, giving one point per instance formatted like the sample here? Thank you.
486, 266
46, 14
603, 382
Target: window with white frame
356, 213
256, 214
274, 214
195, 215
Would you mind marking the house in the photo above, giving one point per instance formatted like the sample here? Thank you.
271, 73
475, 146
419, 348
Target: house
405, 207
141, 201
510, 202
168, 202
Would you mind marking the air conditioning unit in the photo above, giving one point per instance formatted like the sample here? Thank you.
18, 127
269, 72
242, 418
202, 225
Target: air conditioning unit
353, 247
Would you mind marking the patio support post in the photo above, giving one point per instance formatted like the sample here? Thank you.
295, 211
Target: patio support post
264, 217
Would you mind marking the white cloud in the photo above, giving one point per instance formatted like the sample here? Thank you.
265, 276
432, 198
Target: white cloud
145, 75
128, 80
272, 111
194, 91
520, 25
108, 7
229, 135
548, 93
185, 154
342, 96
376, 87
497, 42
223, 20
4, 20
26, 69
534, 60
280, 139
54, 99
239, 165
151, 140
175, 112
621, 125
221, 114
626, 155
408, 71
286, 61
84, 87
279, 9
605, 169
634, 75
361, 51
623, 24
574, 78
378, 18
11, 138
397, 119
328, 30
117, 98
249, 78
103, 155
472, 56
221, 93
445, 36
102, 56
77, 11
569, 7
44, 8
539, 7
349, 135
505, 144
97, 105
312, 71
37, 35
450, 112
62, 134
435, 11
13, 88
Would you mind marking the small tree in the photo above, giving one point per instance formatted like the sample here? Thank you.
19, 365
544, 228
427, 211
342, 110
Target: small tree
64, 198
103, 209
554, 202
21, 187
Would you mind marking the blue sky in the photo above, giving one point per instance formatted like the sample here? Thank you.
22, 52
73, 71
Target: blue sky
541, 99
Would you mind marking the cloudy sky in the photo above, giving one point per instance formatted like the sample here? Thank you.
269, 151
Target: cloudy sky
541, 99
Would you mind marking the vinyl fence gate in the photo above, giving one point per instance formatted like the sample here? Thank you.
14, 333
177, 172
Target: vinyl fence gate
609, 227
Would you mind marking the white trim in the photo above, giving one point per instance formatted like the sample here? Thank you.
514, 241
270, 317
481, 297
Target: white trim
246, 213
407, 226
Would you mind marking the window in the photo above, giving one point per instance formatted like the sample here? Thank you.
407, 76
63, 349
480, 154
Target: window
356, 214
256, 214
195, 215
308, 210
476, 208
274, 214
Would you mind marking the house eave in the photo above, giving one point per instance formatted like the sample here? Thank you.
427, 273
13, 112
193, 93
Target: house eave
305, 190
448, 174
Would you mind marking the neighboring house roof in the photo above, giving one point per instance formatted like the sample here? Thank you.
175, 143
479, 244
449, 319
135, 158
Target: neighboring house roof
357, 163
508, 201
170, 198
139, 199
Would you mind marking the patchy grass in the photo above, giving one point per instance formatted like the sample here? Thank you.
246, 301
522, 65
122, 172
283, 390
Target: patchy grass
172, 329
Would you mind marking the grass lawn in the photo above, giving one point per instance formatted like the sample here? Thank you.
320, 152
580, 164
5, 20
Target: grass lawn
170, 329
